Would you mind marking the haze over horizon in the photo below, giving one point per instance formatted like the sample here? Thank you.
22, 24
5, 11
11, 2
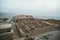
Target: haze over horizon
32, 7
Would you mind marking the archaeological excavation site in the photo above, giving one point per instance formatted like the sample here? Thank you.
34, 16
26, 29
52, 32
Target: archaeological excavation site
29, 19
27, 27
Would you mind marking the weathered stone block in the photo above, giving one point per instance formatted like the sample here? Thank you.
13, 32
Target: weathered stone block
6, 36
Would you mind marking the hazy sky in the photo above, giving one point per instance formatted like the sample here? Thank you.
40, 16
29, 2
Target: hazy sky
33, 7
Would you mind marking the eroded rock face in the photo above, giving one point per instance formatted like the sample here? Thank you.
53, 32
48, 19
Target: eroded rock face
28, 25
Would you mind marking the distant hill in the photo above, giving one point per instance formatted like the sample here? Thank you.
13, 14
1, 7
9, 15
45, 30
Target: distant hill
1, 14
7, 15
10, 15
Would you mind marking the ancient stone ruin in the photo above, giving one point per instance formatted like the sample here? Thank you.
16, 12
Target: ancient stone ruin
28, 25
5, 32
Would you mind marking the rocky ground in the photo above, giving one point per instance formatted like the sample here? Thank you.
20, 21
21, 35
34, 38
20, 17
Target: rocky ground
33, 26
22, 25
